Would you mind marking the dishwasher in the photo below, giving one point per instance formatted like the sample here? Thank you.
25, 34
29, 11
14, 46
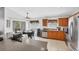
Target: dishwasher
44, 34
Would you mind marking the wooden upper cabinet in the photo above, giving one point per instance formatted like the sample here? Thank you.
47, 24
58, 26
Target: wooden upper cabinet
52, 21
60, 22
63, 21
45, 22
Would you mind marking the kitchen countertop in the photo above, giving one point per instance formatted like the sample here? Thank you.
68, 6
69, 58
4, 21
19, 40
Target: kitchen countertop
49, 30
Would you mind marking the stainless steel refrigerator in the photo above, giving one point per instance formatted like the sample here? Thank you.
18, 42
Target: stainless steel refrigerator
73, 27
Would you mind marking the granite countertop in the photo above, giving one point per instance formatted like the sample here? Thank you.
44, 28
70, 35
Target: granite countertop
49, 30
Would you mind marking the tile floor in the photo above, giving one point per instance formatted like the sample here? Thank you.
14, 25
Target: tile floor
54, 45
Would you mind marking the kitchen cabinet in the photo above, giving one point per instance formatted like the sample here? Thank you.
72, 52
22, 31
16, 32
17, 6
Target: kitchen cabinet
63, 21
57, 35
45, 22
52, 21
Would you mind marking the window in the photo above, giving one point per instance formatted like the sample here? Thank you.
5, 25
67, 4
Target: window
8, 23
34, 24
19, 26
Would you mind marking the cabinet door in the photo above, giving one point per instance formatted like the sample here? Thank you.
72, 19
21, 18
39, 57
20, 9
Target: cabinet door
58, 35
50, 34
45, 22
62, 36
60, 22
54, 34
63, 21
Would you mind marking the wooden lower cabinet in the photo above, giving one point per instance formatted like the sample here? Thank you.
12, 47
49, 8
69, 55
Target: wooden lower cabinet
57, 35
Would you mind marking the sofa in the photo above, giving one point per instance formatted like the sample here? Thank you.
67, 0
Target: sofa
1, 35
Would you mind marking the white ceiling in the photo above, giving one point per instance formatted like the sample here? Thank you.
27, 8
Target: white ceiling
45, 11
